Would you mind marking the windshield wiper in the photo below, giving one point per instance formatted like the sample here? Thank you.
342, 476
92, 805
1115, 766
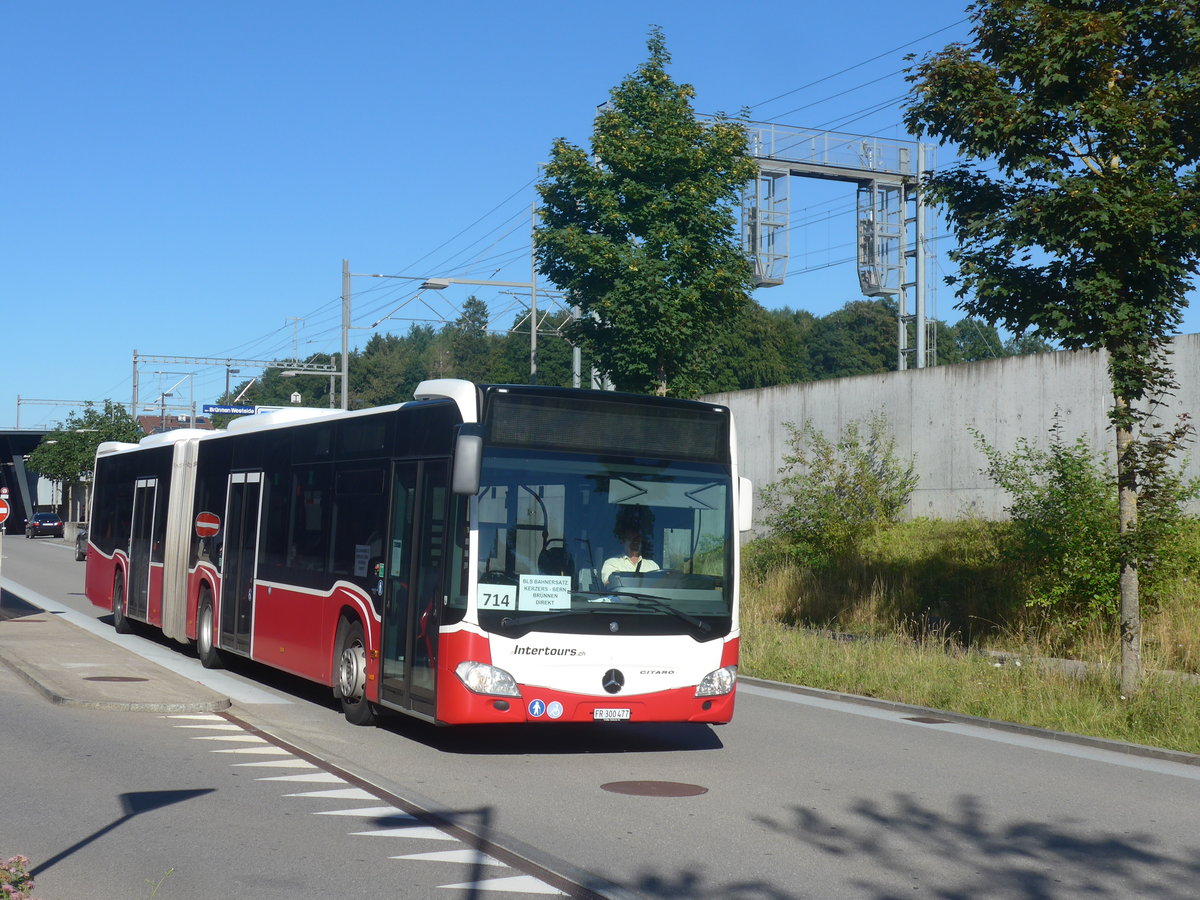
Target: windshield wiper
663, 606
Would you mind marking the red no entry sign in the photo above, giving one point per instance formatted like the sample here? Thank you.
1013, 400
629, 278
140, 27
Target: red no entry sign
3, 511
207, 524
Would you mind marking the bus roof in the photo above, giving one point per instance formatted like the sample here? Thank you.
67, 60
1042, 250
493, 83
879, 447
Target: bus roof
280, 417
172, 437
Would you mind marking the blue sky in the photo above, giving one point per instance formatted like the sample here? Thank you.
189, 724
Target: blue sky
185, 178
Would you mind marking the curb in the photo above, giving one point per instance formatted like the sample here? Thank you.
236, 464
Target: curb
1064, 737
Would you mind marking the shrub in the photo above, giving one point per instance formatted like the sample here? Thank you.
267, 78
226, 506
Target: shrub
832, 496
1065, 535
15, 880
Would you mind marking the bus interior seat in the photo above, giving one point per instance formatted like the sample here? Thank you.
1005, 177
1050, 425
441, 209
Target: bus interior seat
556, 560
589, 579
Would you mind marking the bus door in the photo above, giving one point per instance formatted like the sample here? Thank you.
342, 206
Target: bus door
238, 555
414, 587
141, 545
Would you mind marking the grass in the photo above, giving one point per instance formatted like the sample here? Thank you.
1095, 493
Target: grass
912, 619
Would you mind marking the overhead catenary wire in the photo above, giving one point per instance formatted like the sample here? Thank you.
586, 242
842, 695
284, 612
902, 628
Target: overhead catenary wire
484, 254
846, 118
859, 65
839, 94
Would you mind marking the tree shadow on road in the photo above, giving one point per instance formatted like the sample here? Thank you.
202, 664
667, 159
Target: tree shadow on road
900, 847
133, 803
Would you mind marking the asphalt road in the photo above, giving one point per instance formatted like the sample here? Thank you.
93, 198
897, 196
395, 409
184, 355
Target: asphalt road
803, 795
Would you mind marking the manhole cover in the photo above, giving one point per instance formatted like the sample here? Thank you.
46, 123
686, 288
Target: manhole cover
654, 788
114, 678
926, 720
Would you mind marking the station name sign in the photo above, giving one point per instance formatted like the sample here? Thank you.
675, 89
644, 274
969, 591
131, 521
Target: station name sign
217, 409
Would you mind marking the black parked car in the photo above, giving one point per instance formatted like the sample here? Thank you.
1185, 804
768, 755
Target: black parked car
81, 544
44, 524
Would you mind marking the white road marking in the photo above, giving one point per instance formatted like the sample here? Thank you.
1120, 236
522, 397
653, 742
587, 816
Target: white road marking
403, 824
337, 794
469, 856
238, 738
317, 777
228, 726
416, 831
370, 812
524, 884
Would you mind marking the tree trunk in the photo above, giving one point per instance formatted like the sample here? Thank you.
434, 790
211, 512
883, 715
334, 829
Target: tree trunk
1131, 615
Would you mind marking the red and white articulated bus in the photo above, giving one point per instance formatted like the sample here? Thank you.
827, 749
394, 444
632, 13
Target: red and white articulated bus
451, 557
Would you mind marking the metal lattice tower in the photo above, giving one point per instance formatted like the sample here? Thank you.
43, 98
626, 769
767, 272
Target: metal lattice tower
894, 253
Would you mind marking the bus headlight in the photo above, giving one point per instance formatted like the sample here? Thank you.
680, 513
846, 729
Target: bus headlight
718, 683
481, 678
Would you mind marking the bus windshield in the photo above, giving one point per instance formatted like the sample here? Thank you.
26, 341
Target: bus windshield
578, 544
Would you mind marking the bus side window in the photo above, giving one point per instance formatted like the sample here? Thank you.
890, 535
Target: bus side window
310, 517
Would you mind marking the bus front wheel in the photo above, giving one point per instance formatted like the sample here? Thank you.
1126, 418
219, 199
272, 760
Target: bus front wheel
121, 624
351, 675
206, 644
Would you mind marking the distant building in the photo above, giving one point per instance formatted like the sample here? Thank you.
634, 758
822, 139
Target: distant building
155, 424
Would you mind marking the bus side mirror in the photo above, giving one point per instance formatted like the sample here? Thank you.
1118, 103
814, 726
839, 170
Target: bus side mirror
745, 504
468, 457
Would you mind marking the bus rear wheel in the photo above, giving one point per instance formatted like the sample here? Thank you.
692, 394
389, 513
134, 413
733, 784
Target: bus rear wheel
206, 644
351, 675
121, 624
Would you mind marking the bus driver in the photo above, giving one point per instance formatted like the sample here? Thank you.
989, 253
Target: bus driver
632, 561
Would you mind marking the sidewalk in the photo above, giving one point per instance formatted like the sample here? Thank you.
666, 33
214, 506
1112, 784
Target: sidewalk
73, 667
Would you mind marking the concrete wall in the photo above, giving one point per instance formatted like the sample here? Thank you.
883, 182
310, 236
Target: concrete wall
932, 411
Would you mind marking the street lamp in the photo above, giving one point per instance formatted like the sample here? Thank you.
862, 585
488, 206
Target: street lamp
189, 377
347, 294
439, 284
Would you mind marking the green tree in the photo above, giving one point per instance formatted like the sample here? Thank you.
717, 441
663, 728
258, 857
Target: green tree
1076, 203
975, 340
795, 339
858, 339
1022, 344
389, 368
641, 231
469, 344
750, 355
972, 339
68, 454
509, 361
